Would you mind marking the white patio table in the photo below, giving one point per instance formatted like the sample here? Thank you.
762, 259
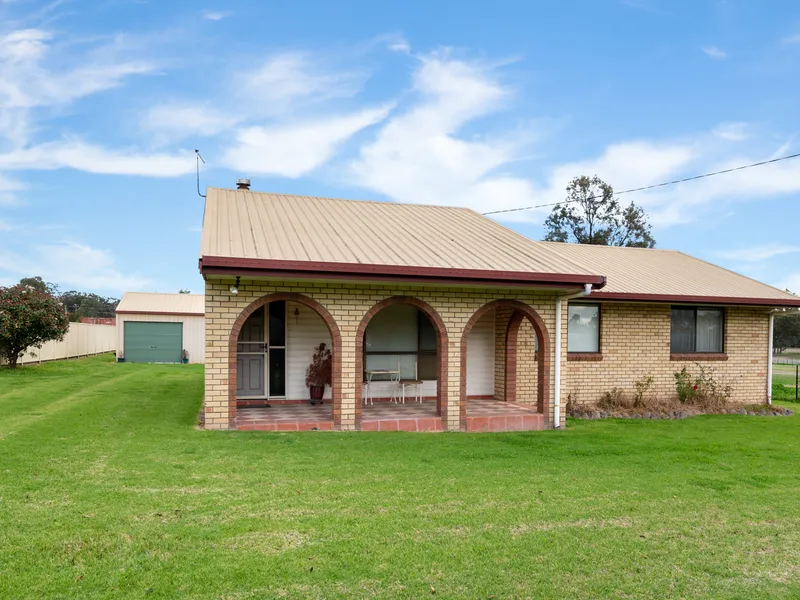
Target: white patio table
394, 377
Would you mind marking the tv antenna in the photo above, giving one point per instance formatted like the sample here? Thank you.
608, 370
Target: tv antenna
198, 158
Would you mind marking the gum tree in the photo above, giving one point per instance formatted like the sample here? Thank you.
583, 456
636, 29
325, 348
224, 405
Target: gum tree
29, 317
591, 214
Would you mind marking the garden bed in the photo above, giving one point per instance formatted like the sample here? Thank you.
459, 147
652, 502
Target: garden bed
761, 410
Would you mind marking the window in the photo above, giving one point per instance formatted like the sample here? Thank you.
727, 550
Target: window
583, 328
696, 329
401, 335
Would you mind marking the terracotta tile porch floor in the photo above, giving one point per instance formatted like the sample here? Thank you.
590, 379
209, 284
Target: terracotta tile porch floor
482, 415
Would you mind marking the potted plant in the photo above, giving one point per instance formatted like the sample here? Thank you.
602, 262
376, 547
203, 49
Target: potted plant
319, 372
184, 356
121, 358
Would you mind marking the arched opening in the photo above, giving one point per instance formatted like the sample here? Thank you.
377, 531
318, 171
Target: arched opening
401, 367
271, 345
518, 355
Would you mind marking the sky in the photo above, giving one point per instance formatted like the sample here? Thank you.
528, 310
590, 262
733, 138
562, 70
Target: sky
488, 105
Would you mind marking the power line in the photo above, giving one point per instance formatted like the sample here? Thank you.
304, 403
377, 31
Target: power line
655, 185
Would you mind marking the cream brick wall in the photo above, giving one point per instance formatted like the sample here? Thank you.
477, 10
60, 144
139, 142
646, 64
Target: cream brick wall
347, 304
635, 341
527, 368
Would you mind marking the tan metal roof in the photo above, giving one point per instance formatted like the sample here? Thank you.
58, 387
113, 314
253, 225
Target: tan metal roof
261, 226
663, 273
256, 233
162, 304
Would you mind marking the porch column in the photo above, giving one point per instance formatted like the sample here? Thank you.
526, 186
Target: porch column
349, 410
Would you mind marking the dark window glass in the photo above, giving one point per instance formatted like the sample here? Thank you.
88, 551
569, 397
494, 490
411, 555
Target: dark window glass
697, 330
426, 367
277, 323
277, 372
427, 334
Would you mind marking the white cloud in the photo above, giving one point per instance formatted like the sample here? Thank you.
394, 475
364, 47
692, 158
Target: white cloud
76, 154
399, 44
176, 121
715, 52
215, 15
732, 132
791, 40
72, 264
280, 88
760, 253
8, 189
292, 150
419, 157
26, 81
291, 80
35, 76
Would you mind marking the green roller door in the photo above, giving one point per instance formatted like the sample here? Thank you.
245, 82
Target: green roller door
153, 342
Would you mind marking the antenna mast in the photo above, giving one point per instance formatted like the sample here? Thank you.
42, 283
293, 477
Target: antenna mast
198, 159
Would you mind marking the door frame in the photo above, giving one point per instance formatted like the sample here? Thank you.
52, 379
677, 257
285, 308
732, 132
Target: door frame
265, 354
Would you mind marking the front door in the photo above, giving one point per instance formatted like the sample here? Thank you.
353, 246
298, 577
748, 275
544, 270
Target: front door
251, 352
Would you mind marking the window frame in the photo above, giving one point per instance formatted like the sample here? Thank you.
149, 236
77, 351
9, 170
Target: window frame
695, 354
587, 356
418, 352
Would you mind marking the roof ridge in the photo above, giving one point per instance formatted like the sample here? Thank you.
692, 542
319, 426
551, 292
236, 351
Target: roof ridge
347, 200
604, 246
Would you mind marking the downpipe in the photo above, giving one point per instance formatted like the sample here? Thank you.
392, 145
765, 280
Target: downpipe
587, 289
771, 356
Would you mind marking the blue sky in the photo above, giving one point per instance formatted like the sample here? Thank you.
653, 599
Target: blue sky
489, 105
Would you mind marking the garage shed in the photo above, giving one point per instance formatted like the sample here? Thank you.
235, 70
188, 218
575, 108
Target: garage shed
157, 328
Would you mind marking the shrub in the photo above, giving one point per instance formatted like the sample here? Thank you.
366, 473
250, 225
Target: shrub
643, 386
703, 390
782, 392
28, 318
616, 398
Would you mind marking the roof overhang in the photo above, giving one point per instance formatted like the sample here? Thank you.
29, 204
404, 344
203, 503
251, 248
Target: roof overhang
724, 300
159, 312
256, 267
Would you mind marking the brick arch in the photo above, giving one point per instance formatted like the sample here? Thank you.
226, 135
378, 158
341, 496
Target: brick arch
441, 351
521, 311
336, 342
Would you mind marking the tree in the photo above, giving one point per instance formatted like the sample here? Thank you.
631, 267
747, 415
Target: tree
28, 319
184, 291
40, 284
591, 215
81, 304
786, 331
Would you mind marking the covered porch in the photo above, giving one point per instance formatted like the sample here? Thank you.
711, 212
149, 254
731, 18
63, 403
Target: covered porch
400, 363
483, 415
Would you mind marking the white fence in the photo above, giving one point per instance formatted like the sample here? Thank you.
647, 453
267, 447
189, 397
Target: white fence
81, 340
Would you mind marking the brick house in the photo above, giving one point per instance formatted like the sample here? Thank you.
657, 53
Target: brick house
442, 319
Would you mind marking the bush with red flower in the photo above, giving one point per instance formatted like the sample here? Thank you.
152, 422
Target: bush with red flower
704, 389
28, 318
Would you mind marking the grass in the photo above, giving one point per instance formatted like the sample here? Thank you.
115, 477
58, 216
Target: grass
783, 374
108, 491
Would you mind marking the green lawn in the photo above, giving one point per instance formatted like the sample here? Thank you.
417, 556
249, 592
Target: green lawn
784, 374
107, 490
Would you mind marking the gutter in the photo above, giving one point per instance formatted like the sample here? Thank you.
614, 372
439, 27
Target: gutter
769, 358
587, 289
293, 269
